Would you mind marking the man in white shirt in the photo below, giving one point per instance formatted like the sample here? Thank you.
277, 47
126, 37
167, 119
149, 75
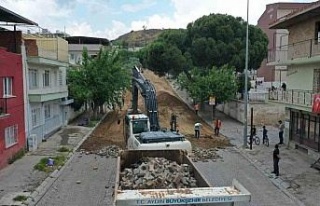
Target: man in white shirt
197, 127
281, 129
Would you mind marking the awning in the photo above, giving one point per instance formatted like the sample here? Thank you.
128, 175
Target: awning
11, 17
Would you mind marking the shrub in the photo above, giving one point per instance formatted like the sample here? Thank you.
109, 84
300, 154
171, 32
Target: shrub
20, 198
63, 149
42, 164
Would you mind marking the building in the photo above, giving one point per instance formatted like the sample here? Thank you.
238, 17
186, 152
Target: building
276, 38
47, 92
301, 56
78, 43
12, 104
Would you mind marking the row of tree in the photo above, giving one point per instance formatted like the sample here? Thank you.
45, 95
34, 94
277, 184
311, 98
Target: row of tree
207, 57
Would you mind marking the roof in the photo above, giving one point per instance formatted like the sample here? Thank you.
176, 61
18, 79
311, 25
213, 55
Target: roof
11, 17
303, 14
87, 40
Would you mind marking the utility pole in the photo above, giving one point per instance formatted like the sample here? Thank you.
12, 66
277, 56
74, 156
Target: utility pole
245, 131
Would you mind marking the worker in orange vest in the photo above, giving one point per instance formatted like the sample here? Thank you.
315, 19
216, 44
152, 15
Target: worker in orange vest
196, 108
217, 125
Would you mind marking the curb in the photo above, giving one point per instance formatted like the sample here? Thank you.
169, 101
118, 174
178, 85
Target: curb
41, 190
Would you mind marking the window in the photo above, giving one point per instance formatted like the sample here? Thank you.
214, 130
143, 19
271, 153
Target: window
47, 111
46, 79
139, 126
35, 117
316, 80
33, 79
11, 135
317, 33
7, 86
60, 78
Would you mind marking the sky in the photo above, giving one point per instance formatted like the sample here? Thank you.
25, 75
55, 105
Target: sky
112, 18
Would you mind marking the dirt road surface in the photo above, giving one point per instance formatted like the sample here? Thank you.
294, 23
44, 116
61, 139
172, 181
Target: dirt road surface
110, 131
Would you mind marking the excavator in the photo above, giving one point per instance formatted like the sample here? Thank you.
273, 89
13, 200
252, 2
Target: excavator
143, 131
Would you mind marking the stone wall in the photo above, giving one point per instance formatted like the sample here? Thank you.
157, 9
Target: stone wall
263, 113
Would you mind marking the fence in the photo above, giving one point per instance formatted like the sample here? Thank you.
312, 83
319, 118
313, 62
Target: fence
295, 97
302, 49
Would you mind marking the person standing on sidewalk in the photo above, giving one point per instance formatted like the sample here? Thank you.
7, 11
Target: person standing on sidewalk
197, 127
276, 158
264, 134
196, 108
281, 129
217, 126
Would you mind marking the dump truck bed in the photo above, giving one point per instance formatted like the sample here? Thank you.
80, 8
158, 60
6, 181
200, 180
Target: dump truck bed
204, 194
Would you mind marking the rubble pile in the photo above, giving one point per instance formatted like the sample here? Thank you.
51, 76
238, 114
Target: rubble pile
204, 155
109, 151
156, 173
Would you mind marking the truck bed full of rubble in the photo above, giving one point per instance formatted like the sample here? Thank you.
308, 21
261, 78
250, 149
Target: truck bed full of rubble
156, 173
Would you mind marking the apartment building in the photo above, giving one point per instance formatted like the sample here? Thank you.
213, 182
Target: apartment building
277, 37
301, 56
47, 92
78, 43
12, 104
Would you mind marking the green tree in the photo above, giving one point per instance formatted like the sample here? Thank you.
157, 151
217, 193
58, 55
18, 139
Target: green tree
99, 80
164, 58
220, 83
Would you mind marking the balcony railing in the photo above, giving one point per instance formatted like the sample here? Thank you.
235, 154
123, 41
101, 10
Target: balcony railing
294, 97
303, 49
3, 106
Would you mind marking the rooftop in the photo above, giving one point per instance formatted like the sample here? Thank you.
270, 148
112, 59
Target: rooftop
87, 40
303, 14
11, 17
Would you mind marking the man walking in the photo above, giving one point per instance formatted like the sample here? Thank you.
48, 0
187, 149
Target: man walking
276, 158
281, 129
197, 130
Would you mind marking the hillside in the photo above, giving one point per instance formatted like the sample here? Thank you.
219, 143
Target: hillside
139, 38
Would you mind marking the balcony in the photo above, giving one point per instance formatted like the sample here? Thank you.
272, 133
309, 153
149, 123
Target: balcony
307, 51
48, 48
3, 107
47, 93
292, 97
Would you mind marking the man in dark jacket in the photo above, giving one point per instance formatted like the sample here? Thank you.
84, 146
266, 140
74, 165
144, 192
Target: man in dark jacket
276, 158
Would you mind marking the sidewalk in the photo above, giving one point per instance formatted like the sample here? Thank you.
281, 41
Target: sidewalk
20, 178
297, 180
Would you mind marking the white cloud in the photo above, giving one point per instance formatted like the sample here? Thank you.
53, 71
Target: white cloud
187, 11
46, 13
55, 14
84, 29
134, 7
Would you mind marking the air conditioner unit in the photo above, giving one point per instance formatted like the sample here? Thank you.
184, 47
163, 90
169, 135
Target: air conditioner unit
32, 142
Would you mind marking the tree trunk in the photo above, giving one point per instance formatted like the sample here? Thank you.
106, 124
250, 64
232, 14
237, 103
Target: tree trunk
213, 112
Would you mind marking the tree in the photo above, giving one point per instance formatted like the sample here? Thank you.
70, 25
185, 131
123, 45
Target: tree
164, 58
99, 80
213, 40
225, 42
217, 82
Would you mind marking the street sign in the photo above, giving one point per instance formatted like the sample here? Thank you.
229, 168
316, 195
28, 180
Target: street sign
212, 100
